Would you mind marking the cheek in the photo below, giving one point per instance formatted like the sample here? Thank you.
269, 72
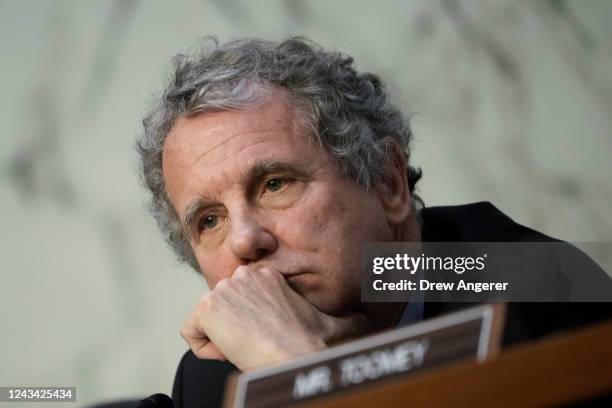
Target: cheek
304, 228
340, 232
312, 234
335, 223
215, 267
318, 224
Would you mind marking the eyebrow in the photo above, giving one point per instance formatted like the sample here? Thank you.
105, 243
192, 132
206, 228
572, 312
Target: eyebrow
262, 168
258, 171
191, 212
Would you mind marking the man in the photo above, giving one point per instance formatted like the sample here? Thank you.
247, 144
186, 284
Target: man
269, 165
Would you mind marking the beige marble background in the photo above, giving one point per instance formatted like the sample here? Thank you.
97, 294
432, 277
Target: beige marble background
511, 103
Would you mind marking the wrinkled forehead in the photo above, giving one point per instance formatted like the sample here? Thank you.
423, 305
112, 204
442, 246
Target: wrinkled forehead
214, 132
221, 143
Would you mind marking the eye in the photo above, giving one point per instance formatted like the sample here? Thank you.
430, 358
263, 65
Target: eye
274, 184
209, 222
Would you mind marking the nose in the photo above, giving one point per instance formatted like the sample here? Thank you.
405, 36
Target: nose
249, 240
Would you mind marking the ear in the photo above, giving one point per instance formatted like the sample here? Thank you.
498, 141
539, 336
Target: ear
393, 192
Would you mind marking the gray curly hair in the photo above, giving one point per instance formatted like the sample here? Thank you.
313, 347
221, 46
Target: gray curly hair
349, 112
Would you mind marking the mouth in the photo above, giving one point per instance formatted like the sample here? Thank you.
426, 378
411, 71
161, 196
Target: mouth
295, 282
294, 274
291, 271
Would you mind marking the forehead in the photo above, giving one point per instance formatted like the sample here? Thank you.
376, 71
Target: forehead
200, 150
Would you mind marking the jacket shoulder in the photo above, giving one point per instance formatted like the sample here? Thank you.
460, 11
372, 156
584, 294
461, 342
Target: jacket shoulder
475, 222
200, 383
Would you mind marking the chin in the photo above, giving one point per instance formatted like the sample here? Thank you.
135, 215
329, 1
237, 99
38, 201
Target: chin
333, 304
327, 300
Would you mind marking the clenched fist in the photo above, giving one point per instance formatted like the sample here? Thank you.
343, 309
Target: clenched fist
255, 319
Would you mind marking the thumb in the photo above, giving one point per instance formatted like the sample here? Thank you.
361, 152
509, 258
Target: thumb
207, 351
199, 342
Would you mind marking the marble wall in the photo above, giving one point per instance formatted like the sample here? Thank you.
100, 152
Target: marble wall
511, 102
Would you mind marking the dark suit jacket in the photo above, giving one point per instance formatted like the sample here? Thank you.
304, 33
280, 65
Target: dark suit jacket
200, 383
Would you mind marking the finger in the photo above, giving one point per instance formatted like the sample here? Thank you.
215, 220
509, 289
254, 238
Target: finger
197, 339
209, 351
266, 277
200, 344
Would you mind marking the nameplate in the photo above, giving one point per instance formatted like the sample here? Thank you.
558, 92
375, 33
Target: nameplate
473, 333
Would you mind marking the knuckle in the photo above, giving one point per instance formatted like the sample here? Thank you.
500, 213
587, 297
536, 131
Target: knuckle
242, 272
186, 335
183, 333
222, 285
210, 301
267, 272
271, 275
206, 303
201, 324
205, 300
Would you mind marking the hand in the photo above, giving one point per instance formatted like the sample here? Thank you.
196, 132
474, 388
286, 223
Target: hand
255, 319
